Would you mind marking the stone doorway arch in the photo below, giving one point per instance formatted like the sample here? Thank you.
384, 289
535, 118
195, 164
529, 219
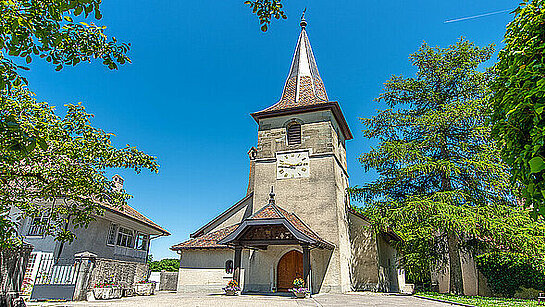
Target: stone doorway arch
289, 268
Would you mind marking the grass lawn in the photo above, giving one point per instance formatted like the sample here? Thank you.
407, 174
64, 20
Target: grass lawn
480, 300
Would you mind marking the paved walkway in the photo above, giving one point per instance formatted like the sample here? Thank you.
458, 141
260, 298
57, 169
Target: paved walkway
164, 299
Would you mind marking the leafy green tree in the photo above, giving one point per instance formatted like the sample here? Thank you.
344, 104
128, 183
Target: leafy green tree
441, 180
45, 158
266, 10
169, 265
519, 101
63, 168
47, 29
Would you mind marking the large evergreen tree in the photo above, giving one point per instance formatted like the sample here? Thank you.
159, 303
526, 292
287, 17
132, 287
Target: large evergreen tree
440, 177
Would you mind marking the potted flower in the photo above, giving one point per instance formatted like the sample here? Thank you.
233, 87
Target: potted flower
299, 288
106, 291
144, 287
232, 288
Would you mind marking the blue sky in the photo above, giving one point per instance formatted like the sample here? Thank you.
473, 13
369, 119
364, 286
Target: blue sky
200, 67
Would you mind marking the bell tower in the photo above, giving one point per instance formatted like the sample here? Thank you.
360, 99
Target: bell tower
301, 152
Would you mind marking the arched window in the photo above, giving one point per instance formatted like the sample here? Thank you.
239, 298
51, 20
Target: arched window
294, 133
229, 266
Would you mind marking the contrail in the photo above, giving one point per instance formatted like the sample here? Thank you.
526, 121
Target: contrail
477, 16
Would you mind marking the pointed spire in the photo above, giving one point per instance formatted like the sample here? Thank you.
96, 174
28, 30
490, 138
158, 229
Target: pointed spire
304, 85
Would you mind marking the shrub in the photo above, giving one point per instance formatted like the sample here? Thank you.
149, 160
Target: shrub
169, 265
507, 272
527, 293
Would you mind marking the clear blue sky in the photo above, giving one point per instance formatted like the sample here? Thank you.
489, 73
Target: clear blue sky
200, 67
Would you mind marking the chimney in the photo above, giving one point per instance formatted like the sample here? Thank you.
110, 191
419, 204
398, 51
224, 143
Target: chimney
252, 154
117, 182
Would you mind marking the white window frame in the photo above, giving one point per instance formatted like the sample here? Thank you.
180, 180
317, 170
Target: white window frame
31, 232
145, 241
112, 231
121, 234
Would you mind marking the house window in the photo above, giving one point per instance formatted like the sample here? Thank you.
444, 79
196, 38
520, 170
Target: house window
111, 234
229, 266
294, 134
39, 225
141, 242
125, 237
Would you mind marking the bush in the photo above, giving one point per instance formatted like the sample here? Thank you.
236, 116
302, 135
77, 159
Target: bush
527, 293
169, 265
507, 272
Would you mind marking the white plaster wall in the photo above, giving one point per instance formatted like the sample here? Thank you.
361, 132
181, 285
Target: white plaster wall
364, 261
242, 211
204, 270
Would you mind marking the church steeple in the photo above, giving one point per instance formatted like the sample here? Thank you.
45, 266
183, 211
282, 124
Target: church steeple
304, 90
304, 84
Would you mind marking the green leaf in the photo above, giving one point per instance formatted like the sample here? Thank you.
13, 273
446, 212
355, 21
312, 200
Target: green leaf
536, 164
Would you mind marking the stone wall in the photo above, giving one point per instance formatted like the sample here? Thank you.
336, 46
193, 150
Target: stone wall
168, 281
124, 273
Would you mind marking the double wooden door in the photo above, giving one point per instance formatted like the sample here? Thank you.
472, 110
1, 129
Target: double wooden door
289, 268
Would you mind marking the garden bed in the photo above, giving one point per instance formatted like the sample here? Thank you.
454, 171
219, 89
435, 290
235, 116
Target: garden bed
478, 301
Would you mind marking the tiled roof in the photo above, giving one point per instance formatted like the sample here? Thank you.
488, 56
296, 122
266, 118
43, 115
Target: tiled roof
272, 211
304, 86
304, 90
209, 240
131, 213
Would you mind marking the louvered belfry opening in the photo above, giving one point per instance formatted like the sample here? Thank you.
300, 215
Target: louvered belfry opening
294, 134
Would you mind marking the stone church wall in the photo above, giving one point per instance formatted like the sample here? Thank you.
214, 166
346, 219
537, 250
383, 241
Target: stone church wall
364, 262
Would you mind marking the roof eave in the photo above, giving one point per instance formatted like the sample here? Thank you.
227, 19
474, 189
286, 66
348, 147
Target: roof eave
330, 105
158, 228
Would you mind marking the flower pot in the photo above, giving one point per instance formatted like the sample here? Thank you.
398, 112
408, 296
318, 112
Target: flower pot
107, 293
231, 292
144, 289
300, 294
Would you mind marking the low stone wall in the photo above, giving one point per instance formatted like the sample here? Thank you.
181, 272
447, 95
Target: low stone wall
168, 281
123, 273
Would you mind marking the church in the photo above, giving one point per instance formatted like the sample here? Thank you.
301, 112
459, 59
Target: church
295, 220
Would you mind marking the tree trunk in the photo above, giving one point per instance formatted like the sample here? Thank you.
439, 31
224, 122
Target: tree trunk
455, 266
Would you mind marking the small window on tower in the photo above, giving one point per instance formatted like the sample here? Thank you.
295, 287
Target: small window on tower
294, 134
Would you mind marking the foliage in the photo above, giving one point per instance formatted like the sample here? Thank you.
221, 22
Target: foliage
506, 272
266, 10
441, 181
480, 301
169, 265
527, 293
62, 168
47, 29
519, 100
298, 283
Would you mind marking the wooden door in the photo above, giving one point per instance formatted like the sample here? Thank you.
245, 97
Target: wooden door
289, 268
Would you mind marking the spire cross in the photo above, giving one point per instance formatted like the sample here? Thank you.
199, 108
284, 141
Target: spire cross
271, 200
303, 21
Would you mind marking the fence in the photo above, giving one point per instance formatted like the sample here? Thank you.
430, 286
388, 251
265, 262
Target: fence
13, 262
55, 280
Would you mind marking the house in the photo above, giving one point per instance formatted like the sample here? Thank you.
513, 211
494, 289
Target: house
119, 239
295, 220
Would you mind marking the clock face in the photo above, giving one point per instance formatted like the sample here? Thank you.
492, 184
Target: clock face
292, 165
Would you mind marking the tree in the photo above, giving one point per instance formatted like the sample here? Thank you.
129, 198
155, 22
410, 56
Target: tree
519, 100
46, 29
169, 265
45, 158
440, 178
266, 10
64, 168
